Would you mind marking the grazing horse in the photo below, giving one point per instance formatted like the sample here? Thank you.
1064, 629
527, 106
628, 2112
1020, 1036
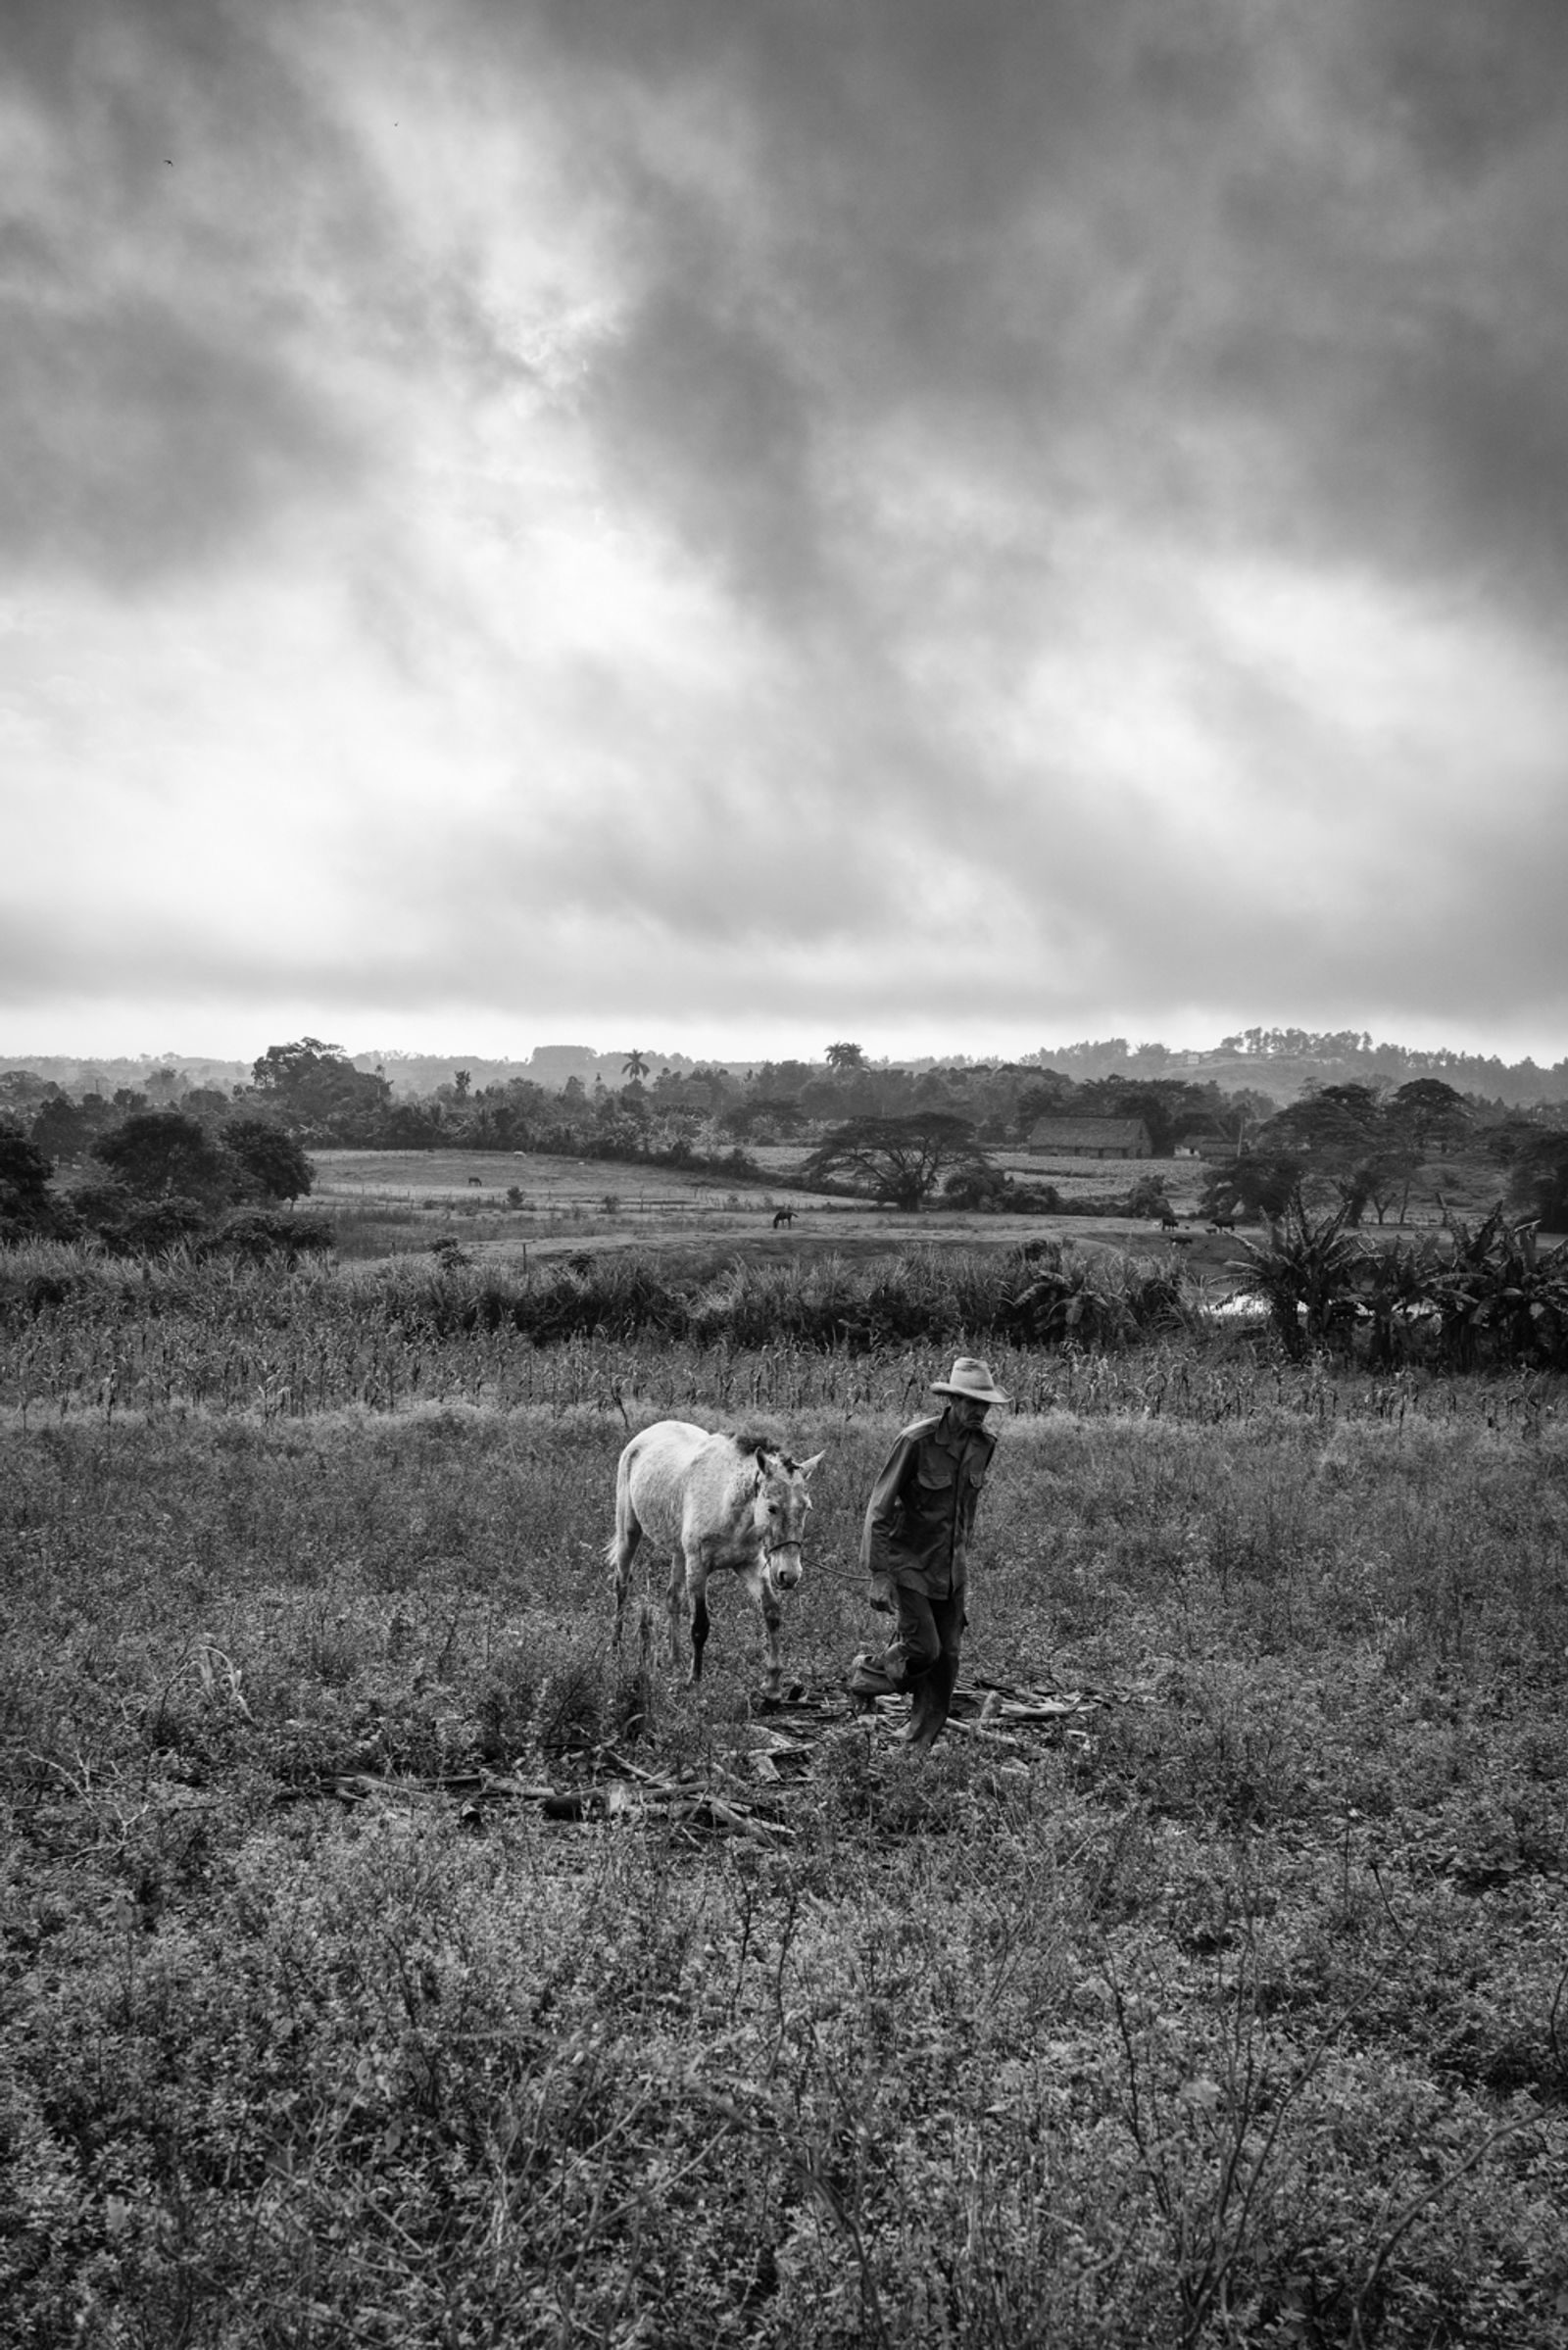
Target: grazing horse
785, 1215
711, 1501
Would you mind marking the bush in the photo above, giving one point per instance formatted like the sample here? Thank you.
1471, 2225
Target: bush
258, 1232
29, 1209
1538, 1181
1148, 1196
129, 1225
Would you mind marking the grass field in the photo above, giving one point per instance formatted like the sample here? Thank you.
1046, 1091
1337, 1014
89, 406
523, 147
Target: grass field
383, 1202
388, 1201
1233, 2010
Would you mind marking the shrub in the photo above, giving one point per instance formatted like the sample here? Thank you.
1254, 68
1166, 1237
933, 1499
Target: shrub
29, 1209
128, 1224
1538, 1180
258, 1232
1148, 1196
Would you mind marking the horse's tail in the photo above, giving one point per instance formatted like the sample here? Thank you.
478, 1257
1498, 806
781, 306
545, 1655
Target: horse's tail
616, 1551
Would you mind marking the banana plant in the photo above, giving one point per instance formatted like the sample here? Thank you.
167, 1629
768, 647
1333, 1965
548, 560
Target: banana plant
1499, 1299
1304, 1269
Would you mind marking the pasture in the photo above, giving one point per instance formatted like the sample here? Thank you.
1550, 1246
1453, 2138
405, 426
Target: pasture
390, 1202
359, 1990
384, 1202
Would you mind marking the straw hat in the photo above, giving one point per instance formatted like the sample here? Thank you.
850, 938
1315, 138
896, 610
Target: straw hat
973, 1379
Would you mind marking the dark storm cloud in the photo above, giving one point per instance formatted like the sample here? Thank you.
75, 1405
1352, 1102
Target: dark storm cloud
136, 446
943, 355
1286, 262
701, 405
1298, 266
159, 398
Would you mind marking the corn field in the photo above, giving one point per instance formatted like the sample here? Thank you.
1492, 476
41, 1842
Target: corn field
85, 1337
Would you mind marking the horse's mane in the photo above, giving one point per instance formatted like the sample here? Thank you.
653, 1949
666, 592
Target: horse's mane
764, 1448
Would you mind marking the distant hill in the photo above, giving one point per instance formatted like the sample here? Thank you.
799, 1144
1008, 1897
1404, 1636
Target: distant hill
1281, 1063
106, 1073
549, 1066
1284, 1061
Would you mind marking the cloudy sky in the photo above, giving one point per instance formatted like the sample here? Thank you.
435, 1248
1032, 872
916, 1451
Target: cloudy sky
722, 524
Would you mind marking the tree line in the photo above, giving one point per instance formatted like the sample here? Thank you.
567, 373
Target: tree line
901, 1134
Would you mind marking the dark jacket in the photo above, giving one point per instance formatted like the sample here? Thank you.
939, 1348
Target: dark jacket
918, 1519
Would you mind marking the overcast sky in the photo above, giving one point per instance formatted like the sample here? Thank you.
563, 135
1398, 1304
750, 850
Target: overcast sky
727, 525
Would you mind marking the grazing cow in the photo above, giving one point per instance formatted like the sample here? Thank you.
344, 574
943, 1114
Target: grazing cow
1170, 1220
1222, 1224
477, 1179
711, 1500
785, 1215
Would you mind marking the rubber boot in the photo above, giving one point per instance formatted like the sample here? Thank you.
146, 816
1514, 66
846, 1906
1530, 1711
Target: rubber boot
933, 1700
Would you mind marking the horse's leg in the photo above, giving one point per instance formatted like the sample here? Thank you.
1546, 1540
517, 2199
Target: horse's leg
622, 1551
696, 1586
766, 1603
677, 1605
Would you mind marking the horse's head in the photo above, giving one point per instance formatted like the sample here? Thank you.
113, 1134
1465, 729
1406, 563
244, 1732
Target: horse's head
780, 1505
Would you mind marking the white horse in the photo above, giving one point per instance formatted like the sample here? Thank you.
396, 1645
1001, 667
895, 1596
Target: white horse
711, 1501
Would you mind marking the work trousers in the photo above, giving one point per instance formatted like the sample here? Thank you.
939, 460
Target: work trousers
922, 1657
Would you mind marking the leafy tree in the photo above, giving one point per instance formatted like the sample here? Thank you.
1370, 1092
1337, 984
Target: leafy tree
23, 1090
1434, 1113
845, 1057
318, 1093
29, 1209
764, 1116
1333, 1117
1262, 1182
412, 1126
1045, 1095
61, 1130
1537, 1180
899, 1161
161, 1155
1168, 1105
1347, 1140
268, 1160
98, 1112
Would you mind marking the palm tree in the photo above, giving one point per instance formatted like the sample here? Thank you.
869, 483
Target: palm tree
846, 1056
634, 1066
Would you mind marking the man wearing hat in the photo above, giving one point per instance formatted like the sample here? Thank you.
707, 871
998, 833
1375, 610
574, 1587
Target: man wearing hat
915, 1549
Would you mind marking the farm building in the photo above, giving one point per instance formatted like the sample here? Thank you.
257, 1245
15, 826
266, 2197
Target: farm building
1207, 1141
1091, 1138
